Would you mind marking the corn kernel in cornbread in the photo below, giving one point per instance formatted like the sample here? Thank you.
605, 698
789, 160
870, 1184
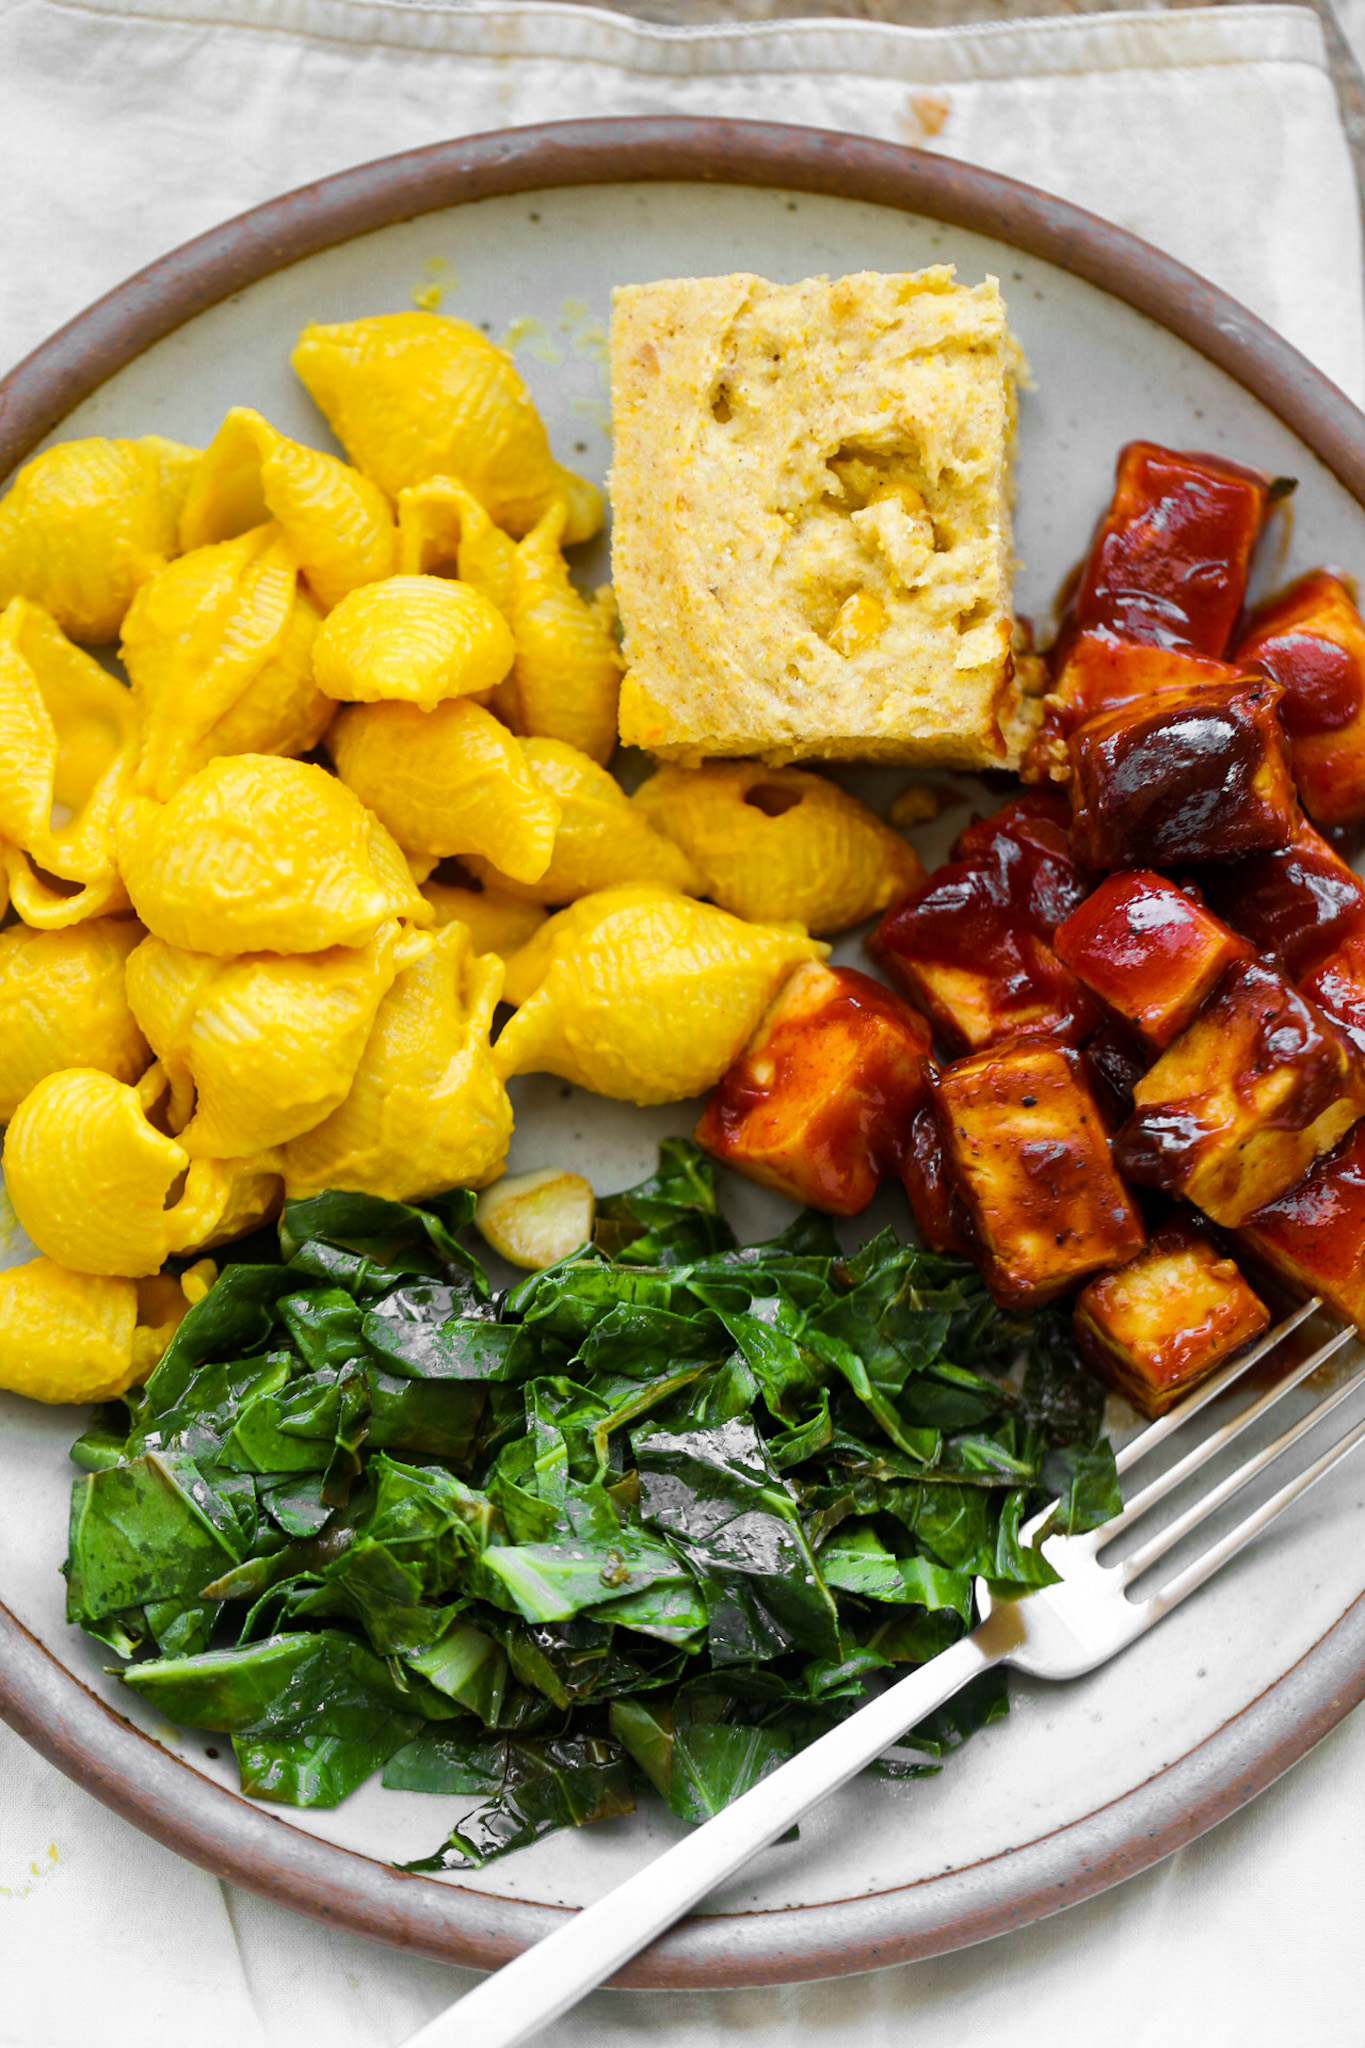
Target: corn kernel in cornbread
812, 547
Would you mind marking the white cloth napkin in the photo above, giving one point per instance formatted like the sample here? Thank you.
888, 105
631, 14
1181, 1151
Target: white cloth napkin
127, 126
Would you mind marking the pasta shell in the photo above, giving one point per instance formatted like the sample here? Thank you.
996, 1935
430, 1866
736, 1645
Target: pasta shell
63, 1003
267, 1045
568, 667
86, 522
412, 640
82, 1337
66, 1336
67, 737
259, 855
442, 528
339, 527
418, 395
644, 995
603, 839
498, 921
448, 781
777, 843
91, 1178
426, 1109
218, 649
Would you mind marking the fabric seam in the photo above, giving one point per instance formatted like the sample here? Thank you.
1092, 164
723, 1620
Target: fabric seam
644, 49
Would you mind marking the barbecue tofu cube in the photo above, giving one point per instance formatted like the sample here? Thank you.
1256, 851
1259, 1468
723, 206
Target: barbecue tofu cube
1162, 1323
1169, 561
1027, 844
1311, 639
1191, 775
1299, 902
1337, 986
934, 1201
1245, 1100
811, 549
1314, 1236
1151, 952
819, 1104
1099, 673
961, 951
1025, 1144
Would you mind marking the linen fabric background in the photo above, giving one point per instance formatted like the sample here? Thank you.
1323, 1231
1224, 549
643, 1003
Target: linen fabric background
126, 128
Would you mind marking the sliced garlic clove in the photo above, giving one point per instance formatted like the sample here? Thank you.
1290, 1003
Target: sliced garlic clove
533, 1219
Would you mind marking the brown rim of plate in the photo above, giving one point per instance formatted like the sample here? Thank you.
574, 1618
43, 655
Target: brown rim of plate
228, 1835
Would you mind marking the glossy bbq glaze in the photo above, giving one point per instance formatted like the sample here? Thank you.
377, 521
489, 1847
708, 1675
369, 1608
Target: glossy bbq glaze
1026, 847
1026, 1146
1169, 561
1189, 775
1337, 986
1161, 1323
970, 946
1102, 673
820, 1103
1115, 1062
1295, 903
1240, 1105
1313, 1236
1311, 641
938, 1209
1148, 951
973, 965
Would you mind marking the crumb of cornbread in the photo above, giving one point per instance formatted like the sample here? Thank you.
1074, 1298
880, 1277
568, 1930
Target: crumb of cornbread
811, 498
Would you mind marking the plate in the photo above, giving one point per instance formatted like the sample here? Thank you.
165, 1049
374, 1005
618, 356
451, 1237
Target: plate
526, 232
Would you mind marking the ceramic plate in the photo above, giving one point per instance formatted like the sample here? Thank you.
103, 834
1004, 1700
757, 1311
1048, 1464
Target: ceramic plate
526, 233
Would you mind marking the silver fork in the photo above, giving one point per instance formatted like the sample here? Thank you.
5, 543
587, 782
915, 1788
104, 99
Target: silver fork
1059, 1632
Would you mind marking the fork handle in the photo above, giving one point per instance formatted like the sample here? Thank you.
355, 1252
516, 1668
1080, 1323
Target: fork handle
545, 1980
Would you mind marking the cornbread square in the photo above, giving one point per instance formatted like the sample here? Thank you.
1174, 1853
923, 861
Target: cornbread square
811, 491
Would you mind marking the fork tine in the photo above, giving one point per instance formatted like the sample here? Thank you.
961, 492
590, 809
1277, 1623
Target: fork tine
1209, 1446
1172, 1420
1237, 1539
1146, 1555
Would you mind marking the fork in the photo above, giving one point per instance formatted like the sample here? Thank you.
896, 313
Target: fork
1058, 1632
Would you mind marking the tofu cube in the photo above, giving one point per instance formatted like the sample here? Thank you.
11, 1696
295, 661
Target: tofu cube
1095, 673
1027, 844
1026, 1147
811, 547
1150, 952
1337, 986
1191, 775
1169, 561
1313, 1236
968, 958
935, 1204
1245, 1100
1160, 1324
1299, 902
820, 1102
1311, 640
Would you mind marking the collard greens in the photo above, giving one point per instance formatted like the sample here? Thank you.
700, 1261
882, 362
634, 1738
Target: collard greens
656, 1517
